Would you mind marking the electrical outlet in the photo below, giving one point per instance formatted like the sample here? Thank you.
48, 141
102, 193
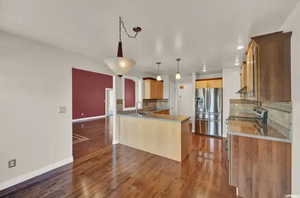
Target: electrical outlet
12, 163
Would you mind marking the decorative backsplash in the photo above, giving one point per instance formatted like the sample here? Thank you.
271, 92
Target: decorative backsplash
148, 104
242, 108
279, 114
153, 104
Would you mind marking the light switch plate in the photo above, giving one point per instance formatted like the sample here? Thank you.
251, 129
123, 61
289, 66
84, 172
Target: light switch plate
62, 109
12, 163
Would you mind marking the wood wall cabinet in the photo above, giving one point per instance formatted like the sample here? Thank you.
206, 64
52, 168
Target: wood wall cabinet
249, 73
210, 83
260, 168
268, 68
153, 89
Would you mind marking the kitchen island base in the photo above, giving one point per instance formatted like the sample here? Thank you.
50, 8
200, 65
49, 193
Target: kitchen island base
167, 138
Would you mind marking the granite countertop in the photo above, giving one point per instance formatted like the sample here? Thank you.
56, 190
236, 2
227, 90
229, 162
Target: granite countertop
153, 115
249, 127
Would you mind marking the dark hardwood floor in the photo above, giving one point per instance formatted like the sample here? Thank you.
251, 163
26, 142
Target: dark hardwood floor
121, 171
97, 131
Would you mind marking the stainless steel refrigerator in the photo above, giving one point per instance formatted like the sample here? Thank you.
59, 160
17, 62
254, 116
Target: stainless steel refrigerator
209, 111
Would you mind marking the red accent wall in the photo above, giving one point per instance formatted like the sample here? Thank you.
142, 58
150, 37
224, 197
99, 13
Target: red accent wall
129, 93
88, 95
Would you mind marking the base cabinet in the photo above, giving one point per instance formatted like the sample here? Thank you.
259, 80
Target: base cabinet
260, 168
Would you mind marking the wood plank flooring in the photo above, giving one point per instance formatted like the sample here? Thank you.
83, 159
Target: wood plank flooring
120, 171
97, 131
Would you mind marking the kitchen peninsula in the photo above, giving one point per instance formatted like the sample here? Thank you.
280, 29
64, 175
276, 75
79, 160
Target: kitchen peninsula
164, 135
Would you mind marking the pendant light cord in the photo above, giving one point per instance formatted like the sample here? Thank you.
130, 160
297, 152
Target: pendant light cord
120, 30
178, 59
158, 63
122, 25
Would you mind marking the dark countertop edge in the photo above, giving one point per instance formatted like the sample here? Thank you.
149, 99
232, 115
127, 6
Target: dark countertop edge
285, 140
152, 118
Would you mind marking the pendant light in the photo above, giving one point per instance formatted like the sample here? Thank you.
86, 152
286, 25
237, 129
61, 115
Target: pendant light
178, 76
158, 77
120, 65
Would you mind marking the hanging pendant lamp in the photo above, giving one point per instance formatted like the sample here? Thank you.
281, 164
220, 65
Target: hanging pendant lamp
158, 77
178, 76
120, 65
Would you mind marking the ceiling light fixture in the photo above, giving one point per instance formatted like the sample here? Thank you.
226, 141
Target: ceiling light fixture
158, 77
119, 64
178, 76
237, 62
240, 47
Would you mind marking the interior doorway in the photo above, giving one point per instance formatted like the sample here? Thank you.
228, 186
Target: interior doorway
92, 106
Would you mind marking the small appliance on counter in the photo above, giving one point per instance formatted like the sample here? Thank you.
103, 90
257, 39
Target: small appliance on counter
209, 113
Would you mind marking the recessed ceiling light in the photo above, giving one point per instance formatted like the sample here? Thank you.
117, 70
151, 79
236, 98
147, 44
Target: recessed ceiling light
237, 63
240, 47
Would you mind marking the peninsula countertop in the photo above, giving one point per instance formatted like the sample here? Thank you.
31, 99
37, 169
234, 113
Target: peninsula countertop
150, 115
250, 127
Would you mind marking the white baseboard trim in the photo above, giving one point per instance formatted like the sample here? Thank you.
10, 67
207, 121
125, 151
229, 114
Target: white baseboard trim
116, 142
89, 118
27, 176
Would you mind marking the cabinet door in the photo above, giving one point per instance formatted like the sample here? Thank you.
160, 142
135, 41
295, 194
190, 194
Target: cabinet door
160, 90
153, 89
243, 75
274, 67
249, 75
147, 89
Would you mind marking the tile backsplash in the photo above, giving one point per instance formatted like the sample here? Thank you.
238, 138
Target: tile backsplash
153, 104
279, 113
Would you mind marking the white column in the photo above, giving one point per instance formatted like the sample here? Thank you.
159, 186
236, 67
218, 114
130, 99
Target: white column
115, 134
140, 93
194, 78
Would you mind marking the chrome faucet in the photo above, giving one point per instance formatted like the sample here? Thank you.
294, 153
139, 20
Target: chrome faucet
261, 115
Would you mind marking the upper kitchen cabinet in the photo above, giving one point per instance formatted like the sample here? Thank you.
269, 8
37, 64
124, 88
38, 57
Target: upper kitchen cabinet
210, 83
153, 89
268, 68
249, 73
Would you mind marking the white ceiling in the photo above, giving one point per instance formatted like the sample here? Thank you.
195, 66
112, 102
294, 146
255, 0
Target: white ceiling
199, 31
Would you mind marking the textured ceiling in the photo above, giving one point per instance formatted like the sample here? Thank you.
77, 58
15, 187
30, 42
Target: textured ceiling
199, 31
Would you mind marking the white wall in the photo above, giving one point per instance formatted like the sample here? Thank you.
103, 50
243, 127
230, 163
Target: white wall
172, 96
184, 98
35, 79
231, 84
293, 24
